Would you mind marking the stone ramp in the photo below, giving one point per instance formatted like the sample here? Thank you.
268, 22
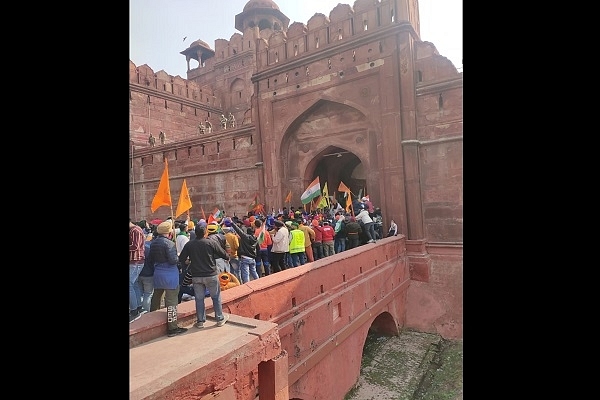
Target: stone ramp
393, 367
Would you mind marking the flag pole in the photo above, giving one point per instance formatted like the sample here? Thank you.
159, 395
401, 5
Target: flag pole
171, 206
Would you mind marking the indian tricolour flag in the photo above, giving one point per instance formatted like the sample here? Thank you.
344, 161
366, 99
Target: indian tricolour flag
312, 192
261, 235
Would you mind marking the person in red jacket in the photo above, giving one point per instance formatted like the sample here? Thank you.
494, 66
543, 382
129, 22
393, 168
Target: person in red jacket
328, 239
317, 244
262, 257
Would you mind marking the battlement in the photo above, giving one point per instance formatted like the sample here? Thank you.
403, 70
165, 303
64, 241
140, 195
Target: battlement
344, 22
320, 31
174, 85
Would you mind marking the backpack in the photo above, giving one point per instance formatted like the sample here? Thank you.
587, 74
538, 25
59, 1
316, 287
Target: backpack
340, 228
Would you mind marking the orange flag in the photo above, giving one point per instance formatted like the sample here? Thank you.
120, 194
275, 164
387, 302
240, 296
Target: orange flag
254, 203
343, 187
288, 198
163, 193
184, 203
349, 202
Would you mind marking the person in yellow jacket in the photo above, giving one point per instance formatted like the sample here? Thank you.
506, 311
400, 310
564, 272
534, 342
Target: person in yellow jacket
234, 243
309, 237
297, 249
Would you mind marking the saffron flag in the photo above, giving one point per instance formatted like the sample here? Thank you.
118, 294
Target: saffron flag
349, 202
288, 198
259, 209
254, 203
184, 202
324, 197
343, 187
312, 191
163, 193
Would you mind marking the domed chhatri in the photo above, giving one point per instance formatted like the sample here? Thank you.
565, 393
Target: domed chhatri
262, 13
199, 43
261, 4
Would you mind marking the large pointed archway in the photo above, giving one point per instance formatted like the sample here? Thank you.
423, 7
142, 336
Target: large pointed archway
333, 141
335, 165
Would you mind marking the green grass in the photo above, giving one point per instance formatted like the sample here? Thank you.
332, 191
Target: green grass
383, 367
444, 379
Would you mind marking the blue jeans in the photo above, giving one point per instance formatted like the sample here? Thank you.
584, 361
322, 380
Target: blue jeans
146, 285
339, 244
222, 265
297, 259
234, 265
262, 258
248, 268
135, 294
189, 290
214, 288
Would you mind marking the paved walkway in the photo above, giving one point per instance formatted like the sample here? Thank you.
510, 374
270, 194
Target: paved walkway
161, 365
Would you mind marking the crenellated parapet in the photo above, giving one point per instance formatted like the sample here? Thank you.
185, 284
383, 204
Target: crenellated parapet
177, 107
343, 23
163, 83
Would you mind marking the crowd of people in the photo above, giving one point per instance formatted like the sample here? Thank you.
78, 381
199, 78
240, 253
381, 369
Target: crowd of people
178, 258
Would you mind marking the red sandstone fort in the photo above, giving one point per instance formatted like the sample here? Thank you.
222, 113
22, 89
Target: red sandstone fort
355, 97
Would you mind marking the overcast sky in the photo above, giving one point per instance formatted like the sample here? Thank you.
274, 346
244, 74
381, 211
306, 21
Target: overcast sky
157, 28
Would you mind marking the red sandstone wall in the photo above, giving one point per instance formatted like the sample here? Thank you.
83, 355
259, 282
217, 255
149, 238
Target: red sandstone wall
158, 101
227, 179
436, 305
440, 127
